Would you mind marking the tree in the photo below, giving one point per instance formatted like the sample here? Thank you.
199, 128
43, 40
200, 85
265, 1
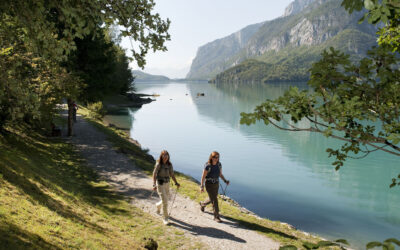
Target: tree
30, 86
42, 20
102, 65
358, 103
47, 30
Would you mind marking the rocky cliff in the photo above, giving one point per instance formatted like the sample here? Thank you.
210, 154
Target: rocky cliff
296, 6
307, 25
211, 58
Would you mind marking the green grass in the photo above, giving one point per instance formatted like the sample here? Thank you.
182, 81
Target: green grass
273, 229
49, 198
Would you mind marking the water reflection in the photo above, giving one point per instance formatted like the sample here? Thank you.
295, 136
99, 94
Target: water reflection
364, 182
280, 175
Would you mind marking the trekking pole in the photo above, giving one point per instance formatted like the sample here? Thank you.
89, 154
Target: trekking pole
152, 192
172, 204
226, 186
222, 189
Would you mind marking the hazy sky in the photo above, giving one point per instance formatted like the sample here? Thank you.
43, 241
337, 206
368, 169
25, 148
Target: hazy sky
197, 22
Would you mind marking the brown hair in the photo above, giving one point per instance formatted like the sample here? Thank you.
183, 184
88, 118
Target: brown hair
214, 153
160, 160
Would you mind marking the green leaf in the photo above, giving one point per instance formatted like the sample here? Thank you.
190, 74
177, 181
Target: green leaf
395, 138
328, 132
393, 240
388, 246
373, 244
374, 17
368, 4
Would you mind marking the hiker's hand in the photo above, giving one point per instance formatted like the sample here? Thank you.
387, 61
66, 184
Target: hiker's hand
227, 182
154, 187
201, 189
177, 185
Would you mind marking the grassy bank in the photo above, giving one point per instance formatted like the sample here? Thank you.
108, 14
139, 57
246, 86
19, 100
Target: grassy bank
49, 198
283, 233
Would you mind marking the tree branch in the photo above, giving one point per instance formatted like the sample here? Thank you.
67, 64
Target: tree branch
311, 129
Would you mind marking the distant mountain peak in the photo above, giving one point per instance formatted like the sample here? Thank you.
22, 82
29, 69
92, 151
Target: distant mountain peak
296, 7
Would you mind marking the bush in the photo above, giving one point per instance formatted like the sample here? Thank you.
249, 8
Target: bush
96, 110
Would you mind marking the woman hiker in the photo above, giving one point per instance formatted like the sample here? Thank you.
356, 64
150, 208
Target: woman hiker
211, 173
163, 170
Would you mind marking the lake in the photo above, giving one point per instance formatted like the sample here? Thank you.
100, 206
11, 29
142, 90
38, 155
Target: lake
284, 176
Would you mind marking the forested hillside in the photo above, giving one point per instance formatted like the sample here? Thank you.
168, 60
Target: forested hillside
140, 76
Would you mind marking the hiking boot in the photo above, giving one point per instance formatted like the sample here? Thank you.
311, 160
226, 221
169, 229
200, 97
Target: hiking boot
217, 219
165, 221
202, 207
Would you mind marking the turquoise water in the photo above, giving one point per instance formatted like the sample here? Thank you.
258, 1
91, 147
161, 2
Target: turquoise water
285, 176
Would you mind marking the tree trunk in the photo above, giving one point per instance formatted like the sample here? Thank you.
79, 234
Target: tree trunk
70, 122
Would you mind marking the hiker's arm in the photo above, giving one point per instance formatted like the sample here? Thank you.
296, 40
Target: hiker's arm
156, 168
172, 174
203, 177
223, 177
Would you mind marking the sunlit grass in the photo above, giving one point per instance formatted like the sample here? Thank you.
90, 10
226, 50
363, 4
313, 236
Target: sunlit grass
51, 199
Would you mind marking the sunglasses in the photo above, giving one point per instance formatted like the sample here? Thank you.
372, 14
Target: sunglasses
216, 157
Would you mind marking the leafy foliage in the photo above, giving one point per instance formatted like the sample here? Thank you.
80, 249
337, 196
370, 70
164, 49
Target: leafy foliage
354, 102
41, 20
30, 85
386, 245
102, 65
96, 110
387, 11
39, 36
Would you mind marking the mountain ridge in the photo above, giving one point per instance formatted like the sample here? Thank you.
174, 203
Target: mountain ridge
313, 27
141, 76
225, 48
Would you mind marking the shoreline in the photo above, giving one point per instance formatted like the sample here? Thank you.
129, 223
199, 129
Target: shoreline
108, 123
130, 100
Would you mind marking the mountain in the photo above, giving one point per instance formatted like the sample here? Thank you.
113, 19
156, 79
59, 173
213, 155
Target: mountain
144, 77
210, 58
283, 49
296, 6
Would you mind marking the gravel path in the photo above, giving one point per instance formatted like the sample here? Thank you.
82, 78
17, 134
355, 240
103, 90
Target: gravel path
121, 172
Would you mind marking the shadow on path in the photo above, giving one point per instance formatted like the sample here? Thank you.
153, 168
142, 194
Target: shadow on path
260, 228
207, 231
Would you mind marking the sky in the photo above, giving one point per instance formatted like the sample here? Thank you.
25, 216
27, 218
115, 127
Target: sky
197, 22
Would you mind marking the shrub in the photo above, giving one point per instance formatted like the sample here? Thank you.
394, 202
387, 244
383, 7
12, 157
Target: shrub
96, 110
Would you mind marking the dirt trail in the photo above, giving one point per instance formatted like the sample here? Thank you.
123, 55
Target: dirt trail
121, 172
